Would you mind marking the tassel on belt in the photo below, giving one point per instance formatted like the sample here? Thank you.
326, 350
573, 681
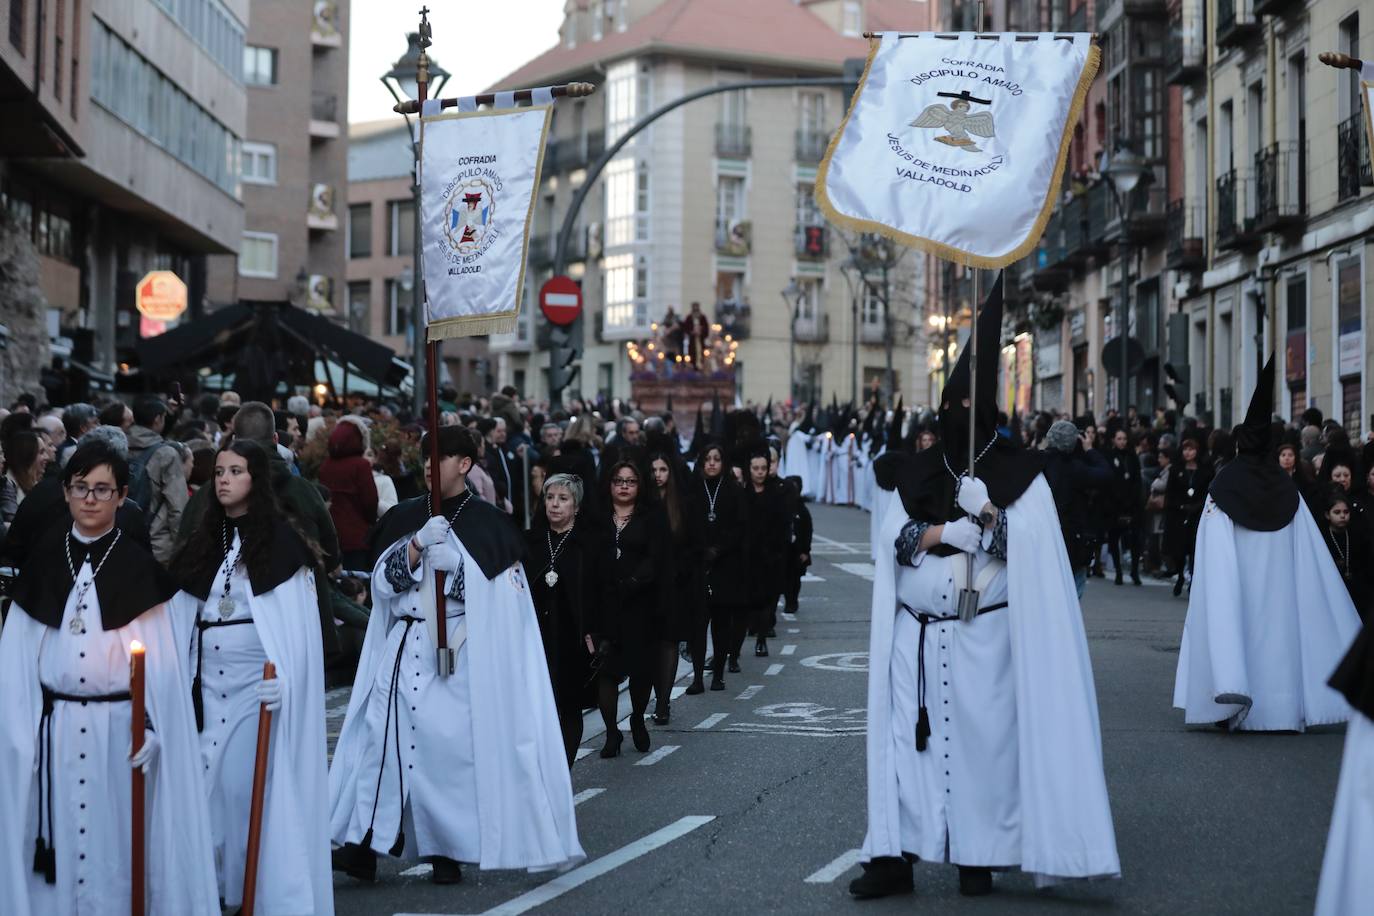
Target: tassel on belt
45, 852
924, 619
393, 705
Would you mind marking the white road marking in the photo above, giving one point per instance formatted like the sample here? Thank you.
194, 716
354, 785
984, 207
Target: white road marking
775, 668
794, 630
750, 692
800, 731
678, 691
656, 756
424, 868
583, 752
838, 661
825, 545
586, 795
810, 578
788, 650
712, 720
844, 863
574, 879
862, 570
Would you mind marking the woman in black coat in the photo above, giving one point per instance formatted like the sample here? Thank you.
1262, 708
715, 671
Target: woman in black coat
724, 516
569, 578
1189, 477
767, 545
685, 608
1126, 501
637, 545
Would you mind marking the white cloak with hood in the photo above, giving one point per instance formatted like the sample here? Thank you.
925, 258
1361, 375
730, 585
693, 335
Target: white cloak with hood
1062, 821
1268, 620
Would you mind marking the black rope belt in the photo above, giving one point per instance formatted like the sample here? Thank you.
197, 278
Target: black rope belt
394, 704
45, 853
197, 696
924, 619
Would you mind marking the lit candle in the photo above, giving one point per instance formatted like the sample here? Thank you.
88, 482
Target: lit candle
137, 728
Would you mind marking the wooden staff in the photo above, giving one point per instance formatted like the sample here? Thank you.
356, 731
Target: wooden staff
250, 865
139, 721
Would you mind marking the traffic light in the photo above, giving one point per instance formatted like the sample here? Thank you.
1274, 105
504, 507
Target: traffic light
1176, 386
563, 353
1177, 372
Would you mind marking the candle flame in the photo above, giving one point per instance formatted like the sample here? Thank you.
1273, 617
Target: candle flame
136, 647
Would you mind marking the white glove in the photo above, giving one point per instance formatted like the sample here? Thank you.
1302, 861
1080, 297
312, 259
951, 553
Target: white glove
444, 557
973, 495
147, 753
269, 693
434, 532
964, 534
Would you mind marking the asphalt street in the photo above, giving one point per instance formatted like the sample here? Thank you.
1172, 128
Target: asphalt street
752, 800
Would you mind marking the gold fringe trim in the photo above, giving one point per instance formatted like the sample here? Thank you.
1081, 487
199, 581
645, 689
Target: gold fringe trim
472, 326
939, 249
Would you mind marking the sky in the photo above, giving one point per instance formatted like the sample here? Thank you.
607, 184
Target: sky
477, 42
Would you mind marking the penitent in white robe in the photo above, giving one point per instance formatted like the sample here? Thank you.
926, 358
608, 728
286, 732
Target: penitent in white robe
796, 462
1347, 882
294, 872
1268, 620
482, 775
91, 776
1011, 701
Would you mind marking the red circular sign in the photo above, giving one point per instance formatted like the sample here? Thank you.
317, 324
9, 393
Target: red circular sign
561, 300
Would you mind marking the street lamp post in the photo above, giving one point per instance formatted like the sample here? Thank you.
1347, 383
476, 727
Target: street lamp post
416, 76
1125, 169
846, 269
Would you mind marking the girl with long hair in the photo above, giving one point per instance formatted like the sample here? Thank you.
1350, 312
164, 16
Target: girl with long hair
1189, 478
721, 511
248, 597
682, 616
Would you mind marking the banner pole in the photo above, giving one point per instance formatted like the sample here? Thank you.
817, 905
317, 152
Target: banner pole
443, 660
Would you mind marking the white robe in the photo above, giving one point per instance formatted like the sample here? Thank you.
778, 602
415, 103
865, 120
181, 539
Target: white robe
90, 769
1347, 882
844, 471
294, 871
1268, 621
1024, 731
796, 462
486, 777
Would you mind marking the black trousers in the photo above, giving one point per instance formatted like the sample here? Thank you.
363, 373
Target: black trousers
1125, 537
791, 587
728, 623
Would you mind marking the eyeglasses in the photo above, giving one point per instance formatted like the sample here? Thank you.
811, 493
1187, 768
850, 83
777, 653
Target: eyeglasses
101, 492
625, 482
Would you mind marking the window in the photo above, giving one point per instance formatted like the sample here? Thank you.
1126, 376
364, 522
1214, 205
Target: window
729, 287
259, 163
642, 202
621, 106
258, 255
621, 194
17, 24
400, 228
808, 214
870, 307
625, 314
360, 230
359, 301
398, 306
853, 23
1349, 101
213, 27
813, 113
729, 202
259, 66
605, 372
809, 306
598, 17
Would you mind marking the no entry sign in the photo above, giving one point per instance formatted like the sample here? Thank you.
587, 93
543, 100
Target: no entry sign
561, 300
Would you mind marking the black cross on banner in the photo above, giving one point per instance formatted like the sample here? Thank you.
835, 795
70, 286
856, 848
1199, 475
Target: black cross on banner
963, 95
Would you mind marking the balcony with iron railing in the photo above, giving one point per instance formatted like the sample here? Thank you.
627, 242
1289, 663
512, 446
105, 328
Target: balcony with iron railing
1236, 23
811, 145
812, 242
1051, 272
1185, 53
1235, 223
734, 141
1279, 7
812, 328
324, 116
1073, 218
1352, 158
1146, 213
1187, 233
1145, 9
735, 318
1280, 187
1101, 214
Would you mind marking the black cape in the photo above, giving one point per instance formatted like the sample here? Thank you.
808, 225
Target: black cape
130, 582
1255, 493
1354, 676
486, 532
288, 555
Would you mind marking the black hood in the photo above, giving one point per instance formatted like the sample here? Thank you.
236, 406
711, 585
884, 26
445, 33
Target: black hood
954, 416
1252, 489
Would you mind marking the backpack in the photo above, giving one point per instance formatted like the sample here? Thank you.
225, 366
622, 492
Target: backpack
140, 486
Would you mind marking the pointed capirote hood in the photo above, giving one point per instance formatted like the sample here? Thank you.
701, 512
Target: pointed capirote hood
954, 416
894, 432
1252, 489
808, 423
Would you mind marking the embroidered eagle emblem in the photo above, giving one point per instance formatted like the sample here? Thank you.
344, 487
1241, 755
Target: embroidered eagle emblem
958, 121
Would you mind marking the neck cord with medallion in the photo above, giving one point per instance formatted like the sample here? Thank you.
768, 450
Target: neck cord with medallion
551, 577
78, 624
466, 498
1342, 555
226, 603
619, 526
711, 497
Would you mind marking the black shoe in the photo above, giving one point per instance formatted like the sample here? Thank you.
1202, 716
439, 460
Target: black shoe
446, 871
662, 716
787, 610
1118, 577
733, 667
761, 649
355, 861
717, 682
883, 877
975, 882
1178, 586
1135, 579
613, 741
696, 688
639, 732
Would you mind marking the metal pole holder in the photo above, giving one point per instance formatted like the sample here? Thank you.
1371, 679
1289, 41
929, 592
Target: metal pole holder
445, 662
968, 604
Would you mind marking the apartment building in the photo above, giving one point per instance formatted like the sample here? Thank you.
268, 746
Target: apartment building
713, 203
294, 160
379, 235
1278, 163
124, 120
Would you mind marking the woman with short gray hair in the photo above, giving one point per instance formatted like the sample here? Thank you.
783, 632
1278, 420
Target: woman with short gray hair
568, 581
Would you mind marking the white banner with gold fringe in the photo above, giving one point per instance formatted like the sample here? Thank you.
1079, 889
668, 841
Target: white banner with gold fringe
955, 144
479, 173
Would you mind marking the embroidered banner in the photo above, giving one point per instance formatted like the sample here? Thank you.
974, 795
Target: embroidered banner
480, 170
956, 145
